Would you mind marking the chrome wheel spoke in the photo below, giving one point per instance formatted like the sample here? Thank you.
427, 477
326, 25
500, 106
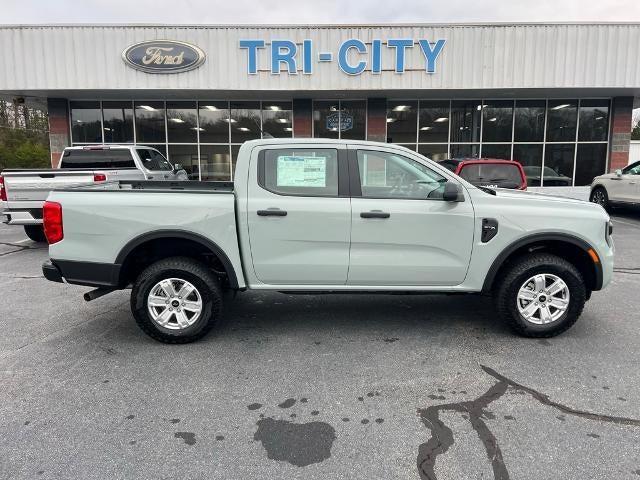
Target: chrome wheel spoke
167, 288
559, 303
545, 314
192, 306
164, 318
526, 294
182, 319
539, 281
157, 301
186, 290
530, 309
556, 287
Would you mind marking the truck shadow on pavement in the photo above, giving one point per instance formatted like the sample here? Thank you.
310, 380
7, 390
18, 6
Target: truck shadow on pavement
409, 314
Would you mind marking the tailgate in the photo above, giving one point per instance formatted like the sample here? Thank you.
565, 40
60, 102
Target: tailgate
24, 189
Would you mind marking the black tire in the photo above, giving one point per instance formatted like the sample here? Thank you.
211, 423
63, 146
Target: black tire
35, 233
185, 269
600, 196
506, 293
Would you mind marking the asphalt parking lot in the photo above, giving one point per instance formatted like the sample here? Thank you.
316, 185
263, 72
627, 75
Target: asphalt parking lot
316, 387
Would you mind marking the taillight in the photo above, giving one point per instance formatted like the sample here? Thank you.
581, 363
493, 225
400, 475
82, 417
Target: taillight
52, 219
99, 177
3, 192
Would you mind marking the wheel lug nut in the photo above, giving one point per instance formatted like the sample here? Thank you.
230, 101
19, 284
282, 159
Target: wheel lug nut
536, 303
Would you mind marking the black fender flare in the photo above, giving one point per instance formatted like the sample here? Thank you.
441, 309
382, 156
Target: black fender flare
538, 237
183, 234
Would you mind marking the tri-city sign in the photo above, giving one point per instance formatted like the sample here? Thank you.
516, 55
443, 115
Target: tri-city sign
353, 55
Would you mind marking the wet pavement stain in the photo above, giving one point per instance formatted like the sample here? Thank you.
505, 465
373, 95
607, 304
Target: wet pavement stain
442, 437
391, 340
364, 421
130, 417
188, 437
298, 444
288, 403
219, 438
593, 435
254, 406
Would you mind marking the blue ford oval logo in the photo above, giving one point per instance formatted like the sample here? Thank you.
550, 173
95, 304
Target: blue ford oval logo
163, 56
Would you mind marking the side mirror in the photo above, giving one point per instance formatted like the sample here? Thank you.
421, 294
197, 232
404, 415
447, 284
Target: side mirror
618, 173
451, 192
177, 167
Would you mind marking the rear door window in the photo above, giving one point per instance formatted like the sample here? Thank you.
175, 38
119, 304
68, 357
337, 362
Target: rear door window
153, 160
305, 172
100, 159
492, 174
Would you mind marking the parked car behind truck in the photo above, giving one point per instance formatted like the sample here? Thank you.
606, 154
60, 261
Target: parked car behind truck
327, 216
24, 191
619, 188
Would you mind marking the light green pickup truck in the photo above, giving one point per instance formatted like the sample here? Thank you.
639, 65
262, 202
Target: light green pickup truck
327, 216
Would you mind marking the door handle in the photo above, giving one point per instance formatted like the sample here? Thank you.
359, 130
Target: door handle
272, 212
375, 214
150, 177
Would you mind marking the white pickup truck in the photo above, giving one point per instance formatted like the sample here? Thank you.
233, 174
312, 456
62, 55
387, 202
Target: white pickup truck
327, 216
24, 191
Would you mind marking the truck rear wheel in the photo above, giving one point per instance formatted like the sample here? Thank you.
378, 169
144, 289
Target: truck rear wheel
176, 300
540, 295
35, 233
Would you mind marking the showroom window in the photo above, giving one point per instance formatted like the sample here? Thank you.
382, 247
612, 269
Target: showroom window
117, 122
150, 122
86, 122
561, 140
402, 121
203, 136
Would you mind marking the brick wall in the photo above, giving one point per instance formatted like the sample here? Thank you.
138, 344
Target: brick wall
59, 137
302, 118
621, 112
377, 119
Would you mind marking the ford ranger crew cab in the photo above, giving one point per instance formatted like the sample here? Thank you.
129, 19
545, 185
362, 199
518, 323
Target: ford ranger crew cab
24, 190
327, 216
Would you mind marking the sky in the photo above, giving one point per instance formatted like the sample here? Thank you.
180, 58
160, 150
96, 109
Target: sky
314, 12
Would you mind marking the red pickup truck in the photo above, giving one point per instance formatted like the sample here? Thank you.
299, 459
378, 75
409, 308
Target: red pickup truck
488, 172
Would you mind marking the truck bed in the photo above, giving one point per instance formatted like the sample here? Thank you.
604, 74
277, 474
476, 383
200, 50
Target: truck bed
190, 186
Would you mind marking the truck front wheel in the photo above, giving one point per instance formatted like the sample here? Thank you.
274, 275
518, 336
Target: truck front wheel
176, 300
35, 233
540, 295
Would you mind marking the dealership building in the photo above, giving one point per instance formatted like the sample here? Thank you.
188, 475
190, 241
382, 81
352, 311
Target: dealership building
556, 97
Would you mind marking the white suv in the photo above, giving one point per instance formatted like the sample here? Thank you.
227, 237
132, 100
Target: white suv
621, 187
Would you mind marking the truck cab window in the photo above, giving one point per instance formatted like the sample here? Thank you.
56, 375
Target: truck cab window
302, 172
153, 160
389, 175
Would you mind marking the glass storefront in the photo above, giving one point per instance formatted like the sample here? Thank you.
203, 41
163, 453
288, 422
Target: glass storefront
204, 136
559, 142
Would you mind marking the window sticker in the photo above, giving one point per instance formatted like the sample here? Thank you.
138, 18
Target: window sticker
294, 171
